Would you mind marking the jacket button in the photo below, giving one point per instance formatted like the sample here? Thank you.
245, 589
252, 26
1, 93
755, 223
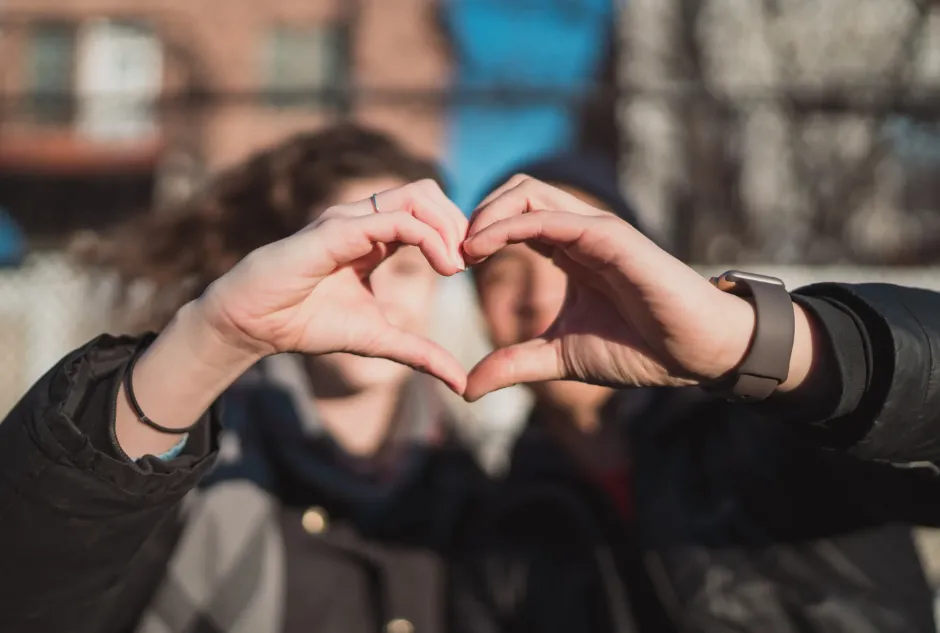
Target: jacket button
314, 520
399, 625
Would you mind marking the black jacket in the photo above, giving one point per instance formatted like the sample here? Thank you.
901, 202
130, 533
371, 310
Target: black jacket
102, 545
742, 521
384, 535
84, 535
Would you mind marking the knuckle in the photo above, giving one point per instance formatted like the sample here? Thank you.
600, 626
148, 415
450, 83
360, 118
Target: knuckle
416, 186
410, 199
326, 224
610, 229
399, 216
610, 222
251, 260
528, 183
532, 190
404, 221
420, 360
335, 211
333, 214
518, 179
428, 185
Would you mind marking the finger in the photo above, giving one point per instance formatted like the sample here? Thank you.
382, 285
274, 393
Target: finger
554, 228
426, 201
436, 207
482, 209
418, 353
533, 361
525, 197
512, 183
439, 197
423, 199
347, 240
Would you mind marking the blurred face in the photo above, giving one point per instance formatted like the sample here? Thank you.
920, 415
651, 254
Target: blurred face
521, 293
404, 286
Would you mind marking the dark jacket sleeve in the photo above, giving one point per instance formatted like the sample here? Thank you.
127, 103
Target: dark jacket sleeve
886, 342
84, 533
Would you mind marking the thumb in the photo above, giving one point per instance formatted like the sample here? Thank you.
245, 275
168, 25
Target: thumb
418, 353
532, 361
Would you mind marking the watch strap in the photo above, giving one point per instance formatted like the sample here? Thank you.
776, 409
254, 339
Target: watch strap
766, 363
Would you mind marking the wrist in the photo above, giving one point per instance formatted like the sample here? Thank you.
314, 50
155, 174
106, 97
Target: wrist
217, 342
740, 316
176, 380
210, 312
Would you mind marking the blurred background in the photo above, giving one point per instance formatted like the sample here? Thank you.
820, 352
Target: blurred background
797, 137
778, 132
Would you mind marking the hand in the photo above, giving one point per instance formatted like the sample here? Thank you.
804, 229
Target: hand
310, 292
633, 316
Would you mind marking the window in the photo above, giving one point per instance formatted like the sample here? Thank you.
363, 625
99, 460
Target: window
301, 61
119, 74
50, 62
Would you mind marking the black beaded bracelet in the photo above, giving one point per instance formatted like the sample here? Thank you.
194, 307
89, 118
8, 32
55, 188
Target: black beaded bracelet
135, 406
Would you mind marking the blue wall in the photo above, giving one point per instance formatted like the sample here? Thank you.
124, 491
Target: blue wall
543, 44
12, 242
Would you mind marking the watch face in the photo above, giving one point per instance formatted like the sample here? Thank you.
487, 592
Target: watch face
736, 276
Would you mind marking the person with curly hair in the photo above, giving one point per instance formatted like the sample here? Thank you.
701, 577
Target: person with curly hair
349, 468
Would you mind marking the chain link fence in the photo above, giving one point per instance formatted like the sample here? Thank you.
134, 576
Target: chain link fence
787, 131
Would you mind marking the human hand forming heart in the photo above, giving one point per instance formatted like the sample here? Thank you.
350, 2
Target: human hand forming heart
634, 315
310, 292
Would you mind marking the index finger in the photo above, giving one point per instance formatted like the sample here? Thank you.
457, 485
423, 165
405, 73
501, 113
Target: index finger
555, 228
521, 195
512, 183
424, 200
603, 240
429, 203
352, 238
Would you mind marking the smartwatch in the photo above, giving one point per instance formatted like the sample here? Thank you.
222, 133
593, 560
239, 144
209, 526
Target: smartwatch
767, 360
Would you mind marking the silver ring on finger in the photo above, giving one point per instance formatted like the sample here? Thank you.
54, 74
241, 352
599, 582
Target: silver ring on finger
375, 203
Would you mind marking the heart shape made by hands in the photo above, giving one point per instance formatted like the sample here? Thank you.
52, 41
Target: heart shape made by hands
633, 315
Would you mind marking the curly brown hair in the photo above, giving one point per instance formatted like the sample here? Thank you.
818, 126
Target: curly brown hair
177, 253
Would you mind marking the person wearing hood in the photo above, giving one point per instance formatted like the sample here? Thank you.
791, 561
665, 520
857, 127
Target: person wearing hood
658, 510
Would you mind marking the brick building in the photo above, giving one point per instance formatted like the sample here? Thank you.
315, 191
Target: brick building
108, 105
